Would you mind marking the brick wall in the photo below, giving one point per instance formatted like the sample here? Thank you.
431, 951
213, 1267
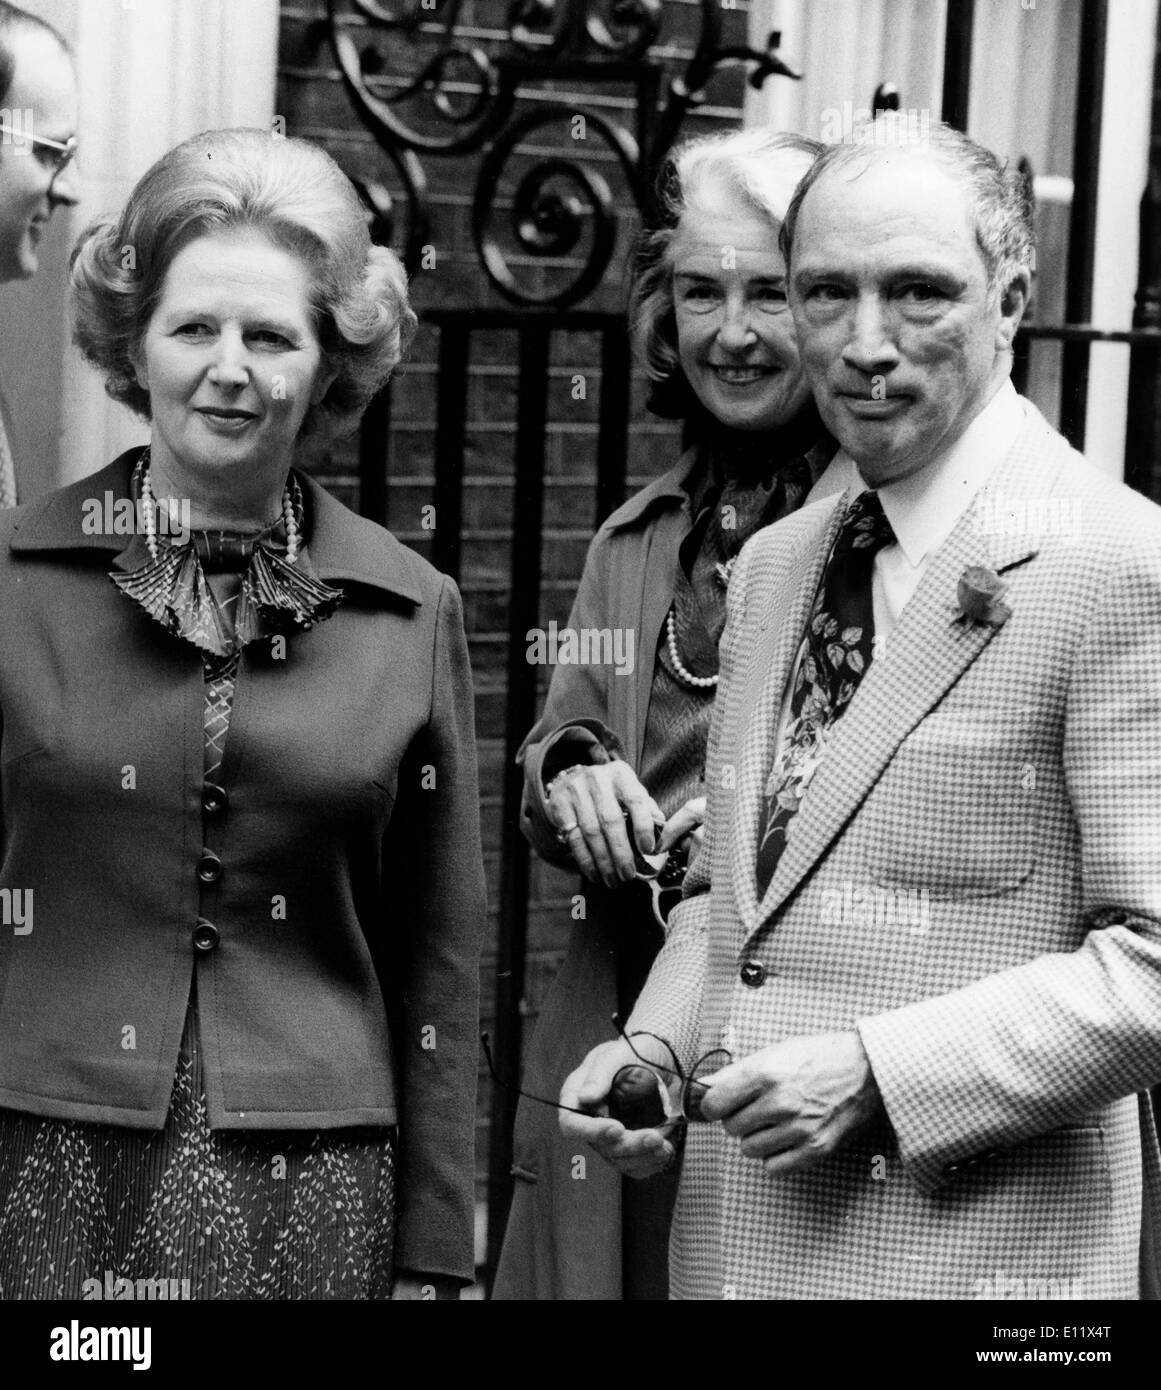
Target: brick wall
313, 102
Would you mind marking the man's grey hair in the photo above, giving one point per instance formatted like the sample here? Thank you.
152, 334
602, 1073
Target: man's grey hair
1001, 203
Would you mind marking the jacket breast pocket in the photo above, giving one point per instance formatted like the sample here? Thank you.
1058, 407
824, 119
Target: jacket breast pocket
956, 813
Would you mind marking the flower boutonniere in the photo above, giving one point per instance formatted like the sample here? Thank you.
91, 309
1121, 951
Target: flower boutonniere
722, 572
980, 595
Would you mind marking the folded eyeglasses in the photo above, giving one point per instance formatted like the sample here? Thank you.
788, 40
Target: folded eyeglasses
645, 1094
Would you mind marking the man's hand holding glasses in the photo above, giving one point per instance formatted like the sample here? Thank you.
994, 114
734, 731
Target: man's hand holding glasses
791, 1105
637, 1153
630, 1099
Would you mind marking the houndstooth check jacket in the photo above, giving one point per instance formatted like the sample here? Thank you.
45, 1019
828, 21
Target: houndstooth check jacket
973, 881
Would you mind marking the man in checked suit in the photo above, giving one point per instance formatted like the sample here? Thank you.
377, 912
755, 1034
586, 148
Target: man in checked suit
926, 918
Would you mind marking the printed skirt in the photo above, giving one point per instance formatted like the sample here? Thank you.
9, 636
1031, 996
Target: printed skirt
94, 1211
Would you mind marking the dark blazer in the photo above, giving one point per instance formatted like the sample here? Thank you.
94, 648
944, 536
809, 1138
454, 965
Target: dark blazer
343, 988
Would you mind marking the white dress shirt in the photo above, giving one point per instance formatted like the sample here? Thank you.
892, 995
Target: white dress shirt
923, 510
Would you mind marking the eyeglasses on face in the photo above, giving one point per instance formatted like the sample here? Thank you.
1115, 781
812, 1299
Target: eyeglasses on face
645, 1096
62, 153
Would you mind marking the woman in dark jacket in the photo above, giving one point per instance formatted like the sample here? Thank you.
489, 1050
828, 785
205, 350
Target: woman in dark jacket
238, 780
614, 761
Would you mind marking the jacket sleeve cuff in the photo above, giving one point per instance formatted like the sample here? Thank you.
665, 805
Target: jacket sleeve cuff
898, 1048
579, 741
944, 1128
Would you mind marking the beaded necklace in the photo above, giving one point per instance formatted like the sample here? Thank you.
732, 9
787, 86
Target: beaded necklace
149, 514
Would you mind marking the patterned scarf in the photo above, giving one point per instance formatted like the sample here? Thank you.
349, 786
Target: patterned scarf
275, 596
753, 479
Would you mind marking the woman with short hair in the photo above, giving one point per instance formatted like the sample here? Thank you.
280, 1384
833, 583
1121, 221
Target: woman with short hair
614, 761
237, 1043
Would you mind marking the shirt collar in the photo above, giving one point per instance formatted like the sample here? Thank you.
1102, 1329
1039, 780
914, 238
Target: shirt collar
923, 509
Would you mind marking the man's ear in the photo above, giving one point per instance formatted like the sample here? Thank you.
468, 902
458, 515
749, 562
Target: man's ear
1013, 303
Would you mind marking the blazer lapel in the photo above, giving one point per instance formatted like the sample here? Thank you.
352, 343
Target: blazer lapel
928, 651
785, 600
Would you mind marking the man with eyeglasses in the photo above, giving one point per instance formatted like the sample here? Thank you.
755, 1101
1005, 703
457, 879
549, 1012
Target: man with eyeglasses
38, 117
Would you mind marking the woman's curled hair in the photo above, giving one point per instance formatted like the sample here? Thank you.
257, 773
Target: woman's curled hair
293, 193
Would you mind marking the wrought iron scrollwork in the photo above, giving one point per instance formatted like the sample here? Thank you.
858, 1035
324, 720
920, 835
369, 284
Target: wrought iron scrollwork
630, 30
541, 26
687, 90
461, 98
626, 28
381, 209
466, 71
390, 19
886, 98
554, 201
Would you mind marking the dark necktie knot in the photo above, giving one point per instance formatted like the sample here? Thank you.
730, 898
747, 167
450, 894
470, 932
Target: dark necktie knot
865, 526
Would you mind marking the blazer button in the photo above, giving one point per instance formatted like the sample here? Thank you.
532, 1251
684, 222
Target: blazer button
214, 799
209, 867
206, 936
753, 973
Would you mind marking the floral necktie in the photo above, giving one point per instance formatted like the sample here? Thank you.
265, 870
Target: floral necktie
835, 652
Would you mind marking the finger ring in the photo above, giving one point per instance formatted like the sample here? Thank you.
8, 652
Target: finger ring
565, 831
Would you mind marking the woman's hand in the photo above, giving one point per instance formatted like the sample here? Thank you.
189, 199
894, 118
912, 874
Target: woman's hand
407, 1287
588, 807
686, 824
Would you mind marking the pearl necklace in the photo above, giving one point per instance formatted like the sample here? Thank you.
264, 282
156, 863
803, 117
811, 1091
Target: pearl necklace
698, 682
149, 516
